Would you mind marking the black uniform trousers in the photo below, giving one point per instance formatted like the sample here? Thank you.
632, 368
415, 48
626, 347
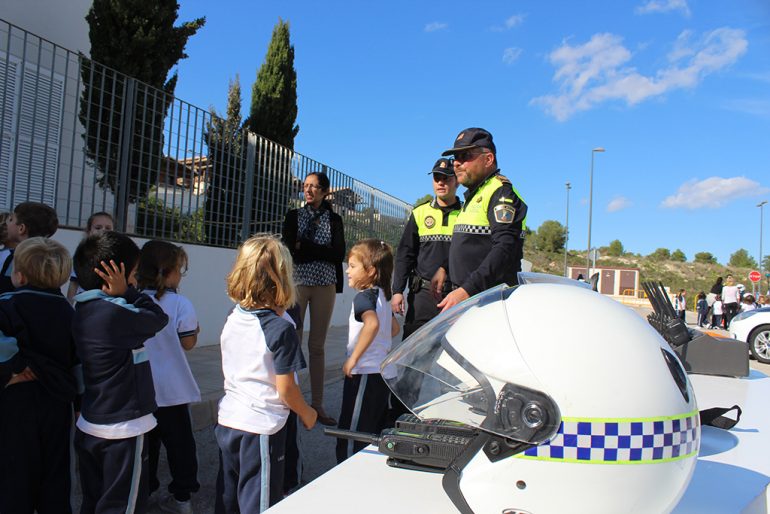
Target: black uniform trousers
365, 401
251, 468
174, 430
422, 308
113, 474
35, 431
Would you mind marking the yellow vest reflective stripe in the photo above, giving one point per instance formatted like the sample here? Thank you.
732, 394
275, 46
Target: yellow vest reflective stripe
429, 222
473, 216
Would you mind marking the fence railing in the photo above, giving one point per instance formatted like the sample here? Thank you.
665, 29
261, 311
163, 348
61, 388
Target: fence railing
83, 138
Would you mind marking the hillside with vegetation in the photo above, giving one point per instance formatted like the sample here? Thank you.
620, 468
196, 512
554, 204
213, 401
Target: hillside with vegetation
544, 248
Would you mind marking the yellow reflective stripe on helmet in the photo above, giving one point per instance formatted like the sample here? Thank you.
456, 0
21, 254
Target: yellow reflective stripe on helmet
621, 441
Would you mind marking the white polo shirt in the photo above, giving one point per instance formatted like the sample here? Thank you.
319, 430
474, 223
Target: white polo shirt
256, 346
371, 300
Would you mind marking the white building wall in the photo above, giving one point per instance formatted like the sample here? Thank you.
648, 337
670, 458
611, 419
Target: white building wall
59, 21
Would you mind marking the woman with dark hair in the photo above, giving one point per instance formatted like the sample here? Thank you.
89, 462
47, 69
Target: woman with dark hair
315, 237
717, 287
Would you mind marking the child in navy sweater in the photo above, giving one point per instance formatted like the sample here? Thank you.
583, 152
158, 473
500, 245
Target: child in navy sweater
37, 385
111, 322
29, 219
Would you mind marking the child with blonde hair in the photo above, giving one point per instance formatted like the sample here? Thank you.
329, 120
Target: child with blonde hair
37, 384
365, 396
260, 357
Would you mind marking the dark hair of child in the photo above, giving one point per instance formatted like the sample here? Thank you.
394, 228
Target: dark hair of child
701, 295
376, 254
40, 219
103, 247
157, 260
95, 215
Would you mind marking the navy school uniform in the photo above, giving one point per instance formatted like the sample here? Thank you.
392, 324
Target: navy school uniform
118, 400
256, 346
36, 421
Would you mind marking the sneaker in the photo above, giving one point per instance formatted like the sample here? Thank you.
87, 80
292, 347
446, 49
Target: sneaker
171, 504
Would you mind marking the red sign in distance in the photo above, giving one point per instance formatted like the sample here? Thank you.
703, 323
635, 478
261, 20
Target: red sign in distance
754, 276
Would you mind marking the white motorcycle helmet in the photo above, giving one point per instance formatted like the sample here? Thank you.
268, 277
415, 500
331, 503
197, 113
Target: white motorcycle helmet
581, 405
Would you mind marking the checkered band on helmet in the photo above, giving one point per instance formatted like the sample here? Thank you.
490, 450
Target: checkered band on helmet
621, 441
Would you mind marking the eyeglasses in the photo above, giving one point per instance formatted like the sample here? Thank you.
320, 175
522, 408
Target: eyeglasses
312, 187
438, 177
467, 155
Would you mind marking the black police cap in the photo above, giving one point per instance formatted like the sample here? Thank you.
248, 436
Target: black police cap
470, 138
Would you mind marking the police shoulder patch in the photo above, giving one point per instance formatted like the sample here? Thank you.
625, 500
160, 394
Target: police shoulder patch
502, 178
504, 213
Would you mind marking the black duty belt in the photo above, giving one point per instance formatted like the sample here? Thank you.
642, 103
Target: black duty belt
424, 283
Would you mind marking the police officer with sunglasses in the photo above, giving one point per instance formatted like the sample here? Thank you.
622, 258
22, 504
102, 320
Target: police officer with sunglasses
487, 240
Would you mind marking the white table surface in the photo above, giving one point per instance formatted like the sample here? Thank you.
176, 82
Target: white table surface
731, 476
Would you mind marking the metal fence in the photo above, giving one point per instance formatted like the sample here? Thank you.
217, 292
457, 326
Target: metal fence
81, 137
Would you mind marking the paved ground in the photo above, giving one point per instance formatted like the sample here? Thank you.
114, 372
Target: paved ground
317, 450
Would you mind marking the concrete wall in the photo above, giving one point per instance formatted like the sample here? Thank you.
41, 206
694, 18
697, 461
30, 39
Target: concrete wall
204, 285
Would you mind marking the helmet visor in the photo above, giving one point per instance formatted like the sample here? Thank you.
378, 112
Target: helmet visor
435, 381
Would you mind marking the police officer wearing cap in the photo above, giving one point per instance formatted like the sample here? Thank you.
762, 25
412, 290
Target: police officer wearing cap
487, 240
424, 247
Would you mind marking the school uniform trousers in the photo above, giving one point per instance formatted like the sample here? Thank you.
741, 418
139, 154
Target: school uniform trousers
174, 430
364, 409
35, 430
251, 468
113, 474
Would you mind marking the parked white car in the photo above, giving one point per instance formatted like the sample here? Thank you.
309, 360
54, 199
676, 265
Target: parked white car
754, 328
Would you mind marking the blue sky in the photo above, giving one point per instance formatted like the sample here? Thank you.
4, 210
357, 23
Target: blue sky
677, 91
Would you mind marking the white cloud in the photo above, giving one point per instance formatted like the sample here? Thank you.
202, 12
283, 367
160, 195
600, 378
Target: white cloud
511, 54
713, 192
618, 204
598, 71
656, 6
514, 21
759, 107
436, 25
509, 23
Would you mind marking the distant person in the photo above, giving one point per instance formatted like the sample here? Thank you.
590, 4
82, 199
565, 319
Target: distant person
365, 396
260, 358
748, 303
702, 307
161, 268
37, 384
29, 219
716, 313
315, 237
680, 304
97, 223
762, 301
731, 299
717, 287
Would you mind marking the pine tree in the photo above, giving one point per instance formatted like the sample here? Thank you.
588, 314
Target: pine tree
224, 196
137, 38
273, 114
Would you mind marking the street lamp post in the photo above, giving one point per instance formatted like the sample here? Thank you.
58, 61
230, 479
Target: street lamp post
761, 206
566, 230
590, 212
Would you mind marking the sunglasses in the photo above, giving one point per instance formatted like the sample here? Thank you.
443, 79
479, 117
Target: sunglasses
467, 155
438, 177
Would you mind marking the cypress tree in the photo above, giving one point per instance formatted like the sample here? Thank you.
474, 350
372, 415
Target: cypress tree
274, 94
272, 115
224, 197
136, 38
